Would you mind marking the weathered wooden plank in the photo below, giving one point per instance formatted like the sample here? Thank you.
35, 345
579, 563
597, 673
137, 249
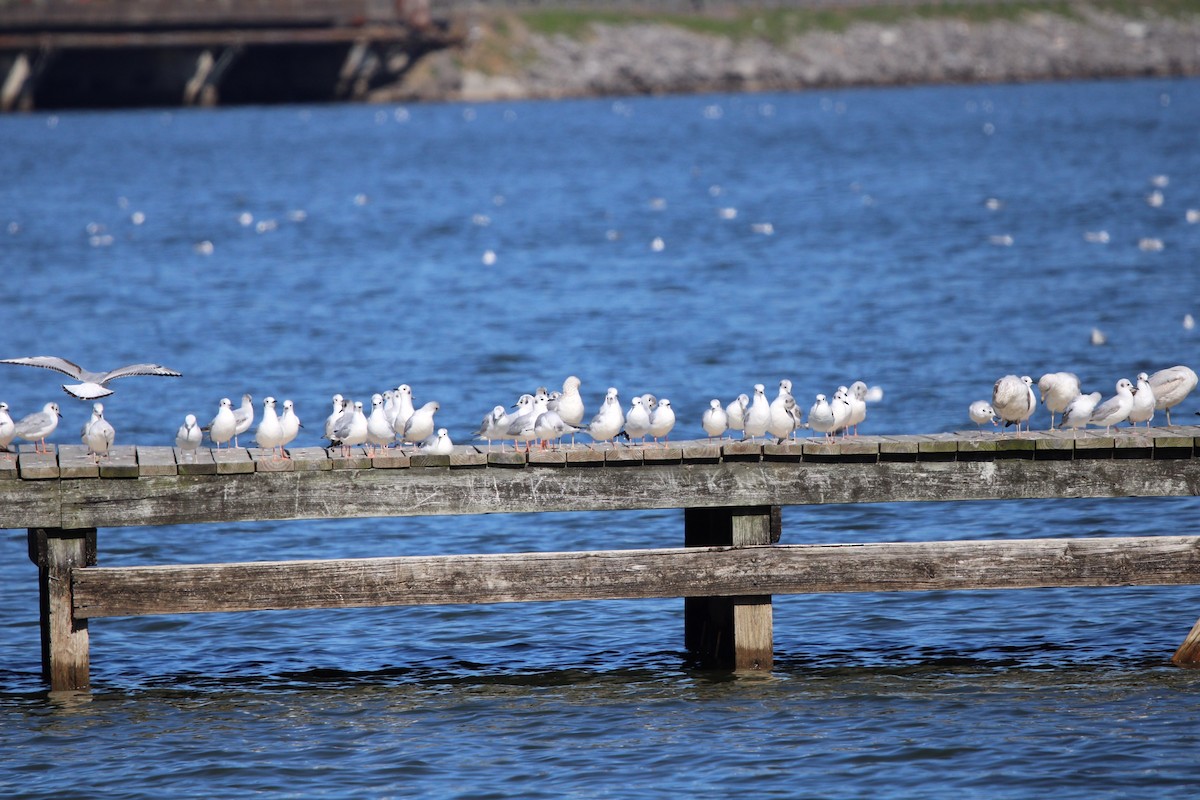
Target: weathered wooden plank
628, 574
702, 452
156, 461
382, 493
8, 465
742, 450
357, 458
269, 461
232, 461
312, 459
75, 462
510, 458
38, 466
626, 455
547, 458
195, 462
119, 462
391, 458
663, 454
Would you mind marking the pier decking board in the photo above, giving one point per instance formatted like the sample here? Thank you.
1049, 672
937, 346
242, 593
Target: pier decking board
240, 484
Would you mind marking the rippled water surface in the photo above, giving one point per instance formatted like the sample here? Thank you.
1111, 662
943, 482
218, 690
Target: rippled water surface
922, 240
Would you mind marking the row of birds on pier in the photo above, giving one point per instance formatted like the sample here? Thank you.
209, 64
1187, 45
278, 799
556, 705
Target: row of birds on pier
547, 417
1014, 401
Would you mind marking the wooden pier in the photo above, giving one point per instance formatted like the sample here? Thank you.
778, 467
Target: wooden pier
731, 493
123, 53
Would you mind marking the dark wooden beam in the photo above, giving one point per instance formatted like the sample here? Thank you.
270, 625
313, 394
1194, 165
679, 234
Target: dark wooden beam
626, 574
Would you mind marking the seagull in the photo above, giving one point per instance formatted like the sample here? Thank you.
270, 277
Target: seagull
1114, 410
291, 426
38, 425
1079, 411
715, 420
550, 425
243, 417
981, 413
842, 410
404, 408
1058, 389
339, 407
1171, 386
781, 423
858, 404
220, 430
735, 412
441, 446
269, 434
1143, 401
7, 428
351, 429
189, 435
662, 420
98, 433
609, 420
493, 426
379, 429
570, 403
520, 424
420, 425
1014, 400
820, 417
92, 385
757, 416
637, 420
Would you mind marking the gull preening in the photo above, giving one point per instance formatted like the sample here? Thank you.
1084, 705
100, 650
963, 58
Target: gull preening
1014, 400
92, 385
1171, 386
1058, 389
189, 435
1078, 412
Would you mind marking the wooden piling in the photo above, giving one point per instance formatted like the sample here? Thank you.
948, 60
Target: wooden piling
65, 652
734, 632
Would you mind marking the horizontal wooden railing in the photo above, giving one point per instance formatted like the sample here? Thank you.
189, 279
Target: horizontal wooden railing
636, 574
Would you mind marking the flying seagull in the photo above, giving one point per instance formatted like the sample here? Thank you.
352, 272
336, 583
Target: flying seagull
92, 385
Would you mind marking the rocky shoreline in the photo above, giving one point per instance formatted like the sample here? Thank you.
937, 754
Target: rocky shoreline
643, 58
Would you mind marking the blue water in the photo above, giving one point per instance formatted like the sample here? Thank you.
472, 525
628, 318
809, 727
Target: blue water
821, 237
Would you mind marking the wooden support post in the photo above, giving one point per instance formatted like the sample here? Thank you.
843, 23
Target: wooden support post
730, 632
1188, 654
65, 657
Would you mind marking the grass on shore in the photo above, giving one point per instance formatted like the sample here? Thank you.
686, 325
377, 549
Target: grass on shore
777, 25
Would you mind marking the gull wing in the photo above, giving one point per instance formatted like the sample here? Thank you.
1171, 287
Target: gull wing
138, 369
49, 362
